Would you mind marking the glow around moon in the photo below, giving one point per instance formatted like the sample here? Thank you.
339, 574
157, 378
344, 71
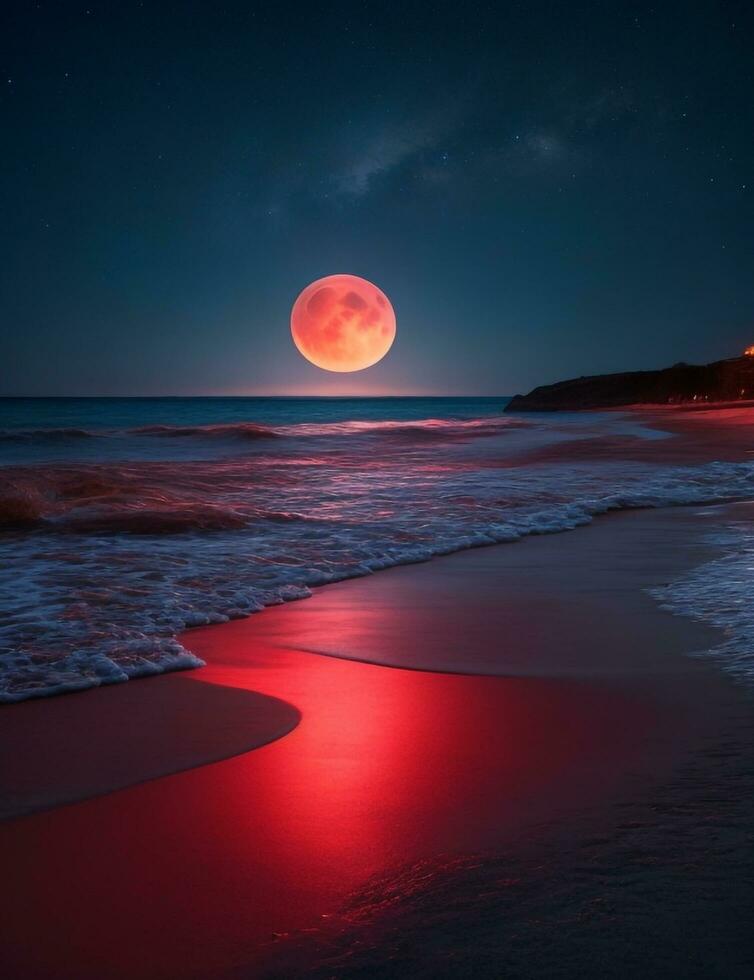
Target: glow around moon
343, 323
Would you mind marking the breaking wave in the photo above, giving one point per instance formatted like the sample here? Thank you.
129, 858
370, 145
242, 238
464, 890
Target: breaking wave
238, 430
104, 563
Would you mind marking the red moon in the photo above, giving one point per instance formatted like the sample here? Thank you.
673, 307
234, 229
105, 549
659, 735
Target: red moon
343, 323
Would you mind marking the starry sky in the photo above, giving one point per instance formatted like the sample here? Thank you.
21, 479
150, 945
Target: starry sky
542, 189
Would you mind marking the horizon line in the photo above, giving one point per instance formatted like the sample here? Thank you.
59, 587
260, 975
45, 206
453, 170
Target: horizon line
333, 397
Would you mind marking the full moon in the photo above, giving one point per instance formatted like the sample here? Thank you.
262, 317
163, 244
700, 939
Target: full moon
343, 323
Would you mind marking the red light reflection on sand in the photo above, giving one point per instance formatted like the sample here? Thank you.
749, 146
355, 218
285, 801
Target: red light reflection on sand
389, 765
386, 766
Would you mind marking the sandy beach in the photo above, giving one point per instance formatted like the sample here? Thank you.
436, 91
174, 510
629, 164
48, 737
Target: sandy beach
129, 734
528, 692
377, 491
699, 434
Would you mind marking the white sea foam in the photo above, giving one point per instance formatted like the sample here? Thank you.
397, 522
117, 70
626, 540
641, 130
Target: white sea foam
114, 559
720, 593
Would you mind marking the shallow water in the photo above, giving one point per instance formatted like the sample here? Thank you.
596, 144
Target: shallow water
720, 593
127, 520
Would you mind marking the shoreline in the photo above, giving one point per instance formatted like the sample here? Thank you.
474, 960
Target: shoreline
721, 436
377, 620
158, 743
147, 718
387, 766
460, 720
154, 727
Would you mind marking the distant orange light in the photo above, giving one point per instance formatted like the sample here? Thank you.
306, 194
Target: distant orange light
749, 352
343, 323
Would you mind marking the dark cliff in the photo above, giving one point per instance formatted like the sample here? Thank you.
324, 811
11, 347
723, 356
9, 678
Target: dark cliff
721, 381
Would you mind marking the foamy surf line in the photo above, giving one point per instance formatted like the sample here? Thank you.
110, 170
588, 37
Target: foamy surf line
719, 593
100, 609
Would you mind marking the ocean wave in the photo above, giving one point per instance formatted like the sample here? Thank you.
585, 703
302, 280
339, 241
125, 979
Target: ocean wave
236, 430
104, 563
430, 429
149, 499
20, 510
38, 495
419, 429
44, 436
121, 582
176, 520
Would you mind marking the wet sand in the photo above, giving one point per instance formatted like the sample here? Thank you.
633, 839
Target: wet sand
564, 605
724, 433
63, 749
589, 702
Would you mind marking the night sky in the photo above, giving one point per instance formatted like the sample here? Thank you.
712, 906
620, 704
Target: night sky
543, 190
